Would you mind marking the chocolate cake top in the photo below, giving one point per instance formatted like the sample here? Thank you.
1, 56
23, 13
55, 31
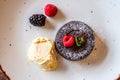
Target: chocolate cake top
75, 28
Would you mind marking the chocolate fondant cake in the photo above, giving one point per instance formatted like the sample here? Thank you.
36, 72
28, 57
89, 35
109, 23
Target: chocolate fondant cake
77, 29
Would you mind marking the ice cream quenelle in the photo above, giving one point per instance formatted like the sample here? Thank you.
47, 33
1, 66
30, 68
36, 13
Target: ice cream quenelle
42, 52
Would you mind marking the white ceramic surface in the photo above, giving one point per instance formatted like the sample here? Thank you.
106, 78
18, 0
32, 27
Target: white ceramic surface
16, 34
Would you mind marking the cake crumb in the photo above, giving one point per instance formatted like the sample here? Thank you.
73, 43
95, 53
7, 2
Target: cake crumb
91, 11
88, 63
30, 27
26, 30
95, 49
10, 44
24, 2
83, 78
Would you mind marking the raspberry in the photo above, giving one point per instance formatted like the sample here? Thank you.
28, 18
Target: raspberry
50, 10
68, 41
37, 20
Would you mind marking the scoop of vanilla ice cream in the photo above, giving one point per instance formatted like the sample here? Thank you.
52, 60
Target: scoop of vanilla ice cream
42, 52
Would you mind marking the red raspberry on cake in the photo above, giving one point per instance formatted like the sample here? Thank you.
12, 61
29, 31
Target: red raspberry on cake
50, 10
68, 41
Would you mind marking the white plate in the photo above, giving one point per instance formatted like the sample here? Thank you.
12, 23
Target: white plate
16, 34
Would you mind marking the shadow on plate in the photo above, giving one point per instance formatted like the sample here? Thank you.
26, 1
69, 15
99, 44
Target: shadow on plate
98, 54
49, 25
60, 16
62, 67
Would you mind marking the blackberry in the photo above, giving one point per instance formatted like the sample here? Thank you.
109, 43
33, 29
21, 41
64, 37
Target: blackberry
37, 20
